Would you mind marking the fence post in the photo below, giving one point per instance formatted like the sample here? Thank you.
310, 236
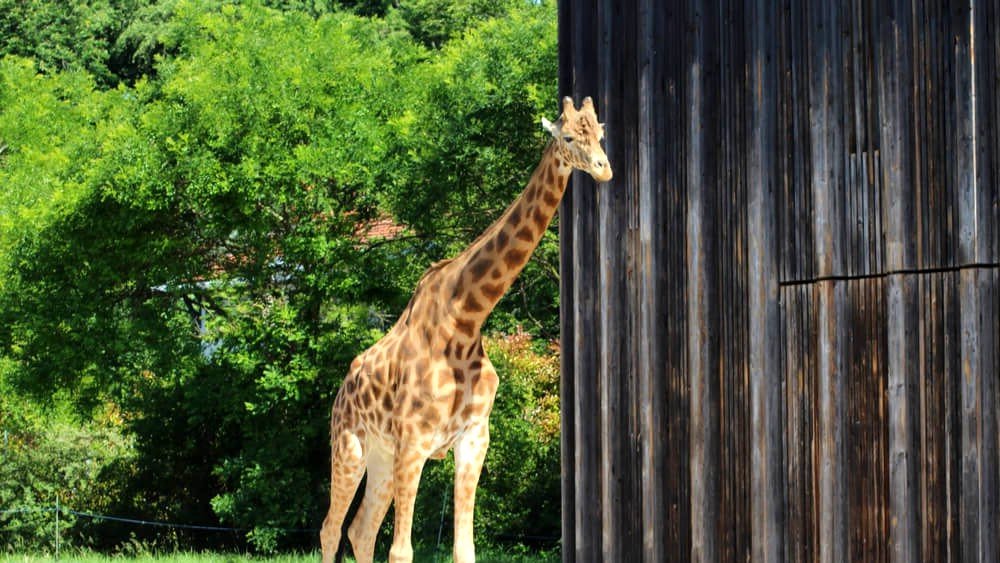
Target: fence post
57, 527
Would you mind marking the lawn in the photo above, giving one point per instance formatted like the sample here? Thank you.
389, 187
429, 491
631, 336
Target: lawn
164, 558
483, 556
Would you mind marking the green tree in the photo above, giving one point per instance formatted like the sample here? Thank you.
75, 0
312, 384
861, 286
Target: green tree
63, 36
467, 143
434, 22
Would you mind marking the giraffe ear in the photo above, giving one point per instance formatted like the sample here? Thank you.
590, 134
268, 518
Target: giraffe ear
552, 128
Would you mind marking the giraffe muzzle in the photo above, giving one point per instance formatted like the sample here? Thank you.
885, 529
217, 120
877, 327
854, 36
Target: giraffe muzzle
600, 170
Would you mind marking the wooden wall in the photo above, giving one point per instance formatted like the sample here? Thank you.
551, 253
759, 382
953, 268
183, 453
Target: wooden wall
781, 319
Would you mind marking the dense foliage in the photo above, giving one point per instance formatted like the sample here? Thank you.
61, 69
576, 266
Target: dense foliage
185, 266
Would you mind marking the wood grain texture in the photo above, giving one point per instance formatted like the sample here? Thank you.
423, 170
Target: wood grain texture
780, 320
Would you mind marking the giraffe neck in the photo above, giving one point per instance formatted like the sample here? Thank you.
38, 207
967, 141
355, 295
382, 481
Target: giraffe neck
489, 266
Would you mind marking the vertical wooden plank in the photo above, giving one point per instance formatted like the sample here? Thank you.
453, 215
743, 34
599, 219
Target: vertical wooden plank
979, 480
701, 337
937, 447
612, 371
649, 265
567, 325
953, 416
735, 422
990, 293
903, 374
896, 97
586, 382
866, 416
767, 485
984, 19
989, 502
825, 102
672, 142
832, 475
794, 423
629, 184
613, 312
979, 464
964, 141
585, 336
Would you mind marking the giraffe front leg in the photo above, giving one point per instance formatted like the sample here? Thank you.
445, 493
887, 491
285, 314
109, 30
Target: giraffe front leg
408, 465
470, 451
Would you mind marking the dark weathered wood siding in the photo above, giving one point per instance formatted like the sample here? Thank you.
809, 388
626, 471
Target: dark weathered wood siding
781, 320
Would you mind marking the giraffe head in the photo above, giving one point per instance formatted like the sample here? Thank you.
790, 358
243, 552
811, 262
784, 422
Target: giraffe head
577, 136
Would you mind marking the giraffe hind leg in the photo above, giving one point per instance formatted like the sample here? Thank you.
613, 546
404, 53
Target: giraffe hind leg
377, 498
347, 468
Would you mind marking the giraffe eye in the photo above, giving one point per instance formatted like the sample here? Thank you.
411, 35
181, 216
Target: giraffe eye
567, 139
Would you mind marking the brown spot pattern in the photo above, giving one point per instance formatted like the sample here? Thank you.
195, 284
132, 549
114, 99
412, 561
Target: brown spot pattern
492, 291
515, 216
471, 305
514, 257
465, 326
525, 234
532, 193
479, 269
541, 221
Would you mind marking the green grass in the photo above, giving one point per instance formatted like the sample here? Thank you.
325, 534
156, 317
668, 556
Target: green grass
165, 558
484, 555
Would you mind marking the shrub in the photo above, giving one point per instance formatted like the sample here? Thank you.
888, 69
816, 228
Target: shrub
518, 496
46, 456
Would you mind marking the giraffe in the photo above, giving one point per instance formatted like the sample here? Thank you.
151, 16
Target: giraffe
427, 386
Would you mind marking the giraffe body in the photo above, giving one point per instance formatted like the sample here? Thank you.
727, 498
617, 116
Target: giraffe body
427, 386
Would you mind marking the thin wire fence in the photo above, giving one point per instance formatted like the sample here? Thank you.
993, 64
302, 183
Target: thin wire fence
59, 529
58, 510
156, 523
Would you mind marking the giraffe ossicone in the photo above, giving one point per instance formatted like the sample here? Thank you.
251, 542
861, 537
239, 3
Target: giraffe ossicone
427, 386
